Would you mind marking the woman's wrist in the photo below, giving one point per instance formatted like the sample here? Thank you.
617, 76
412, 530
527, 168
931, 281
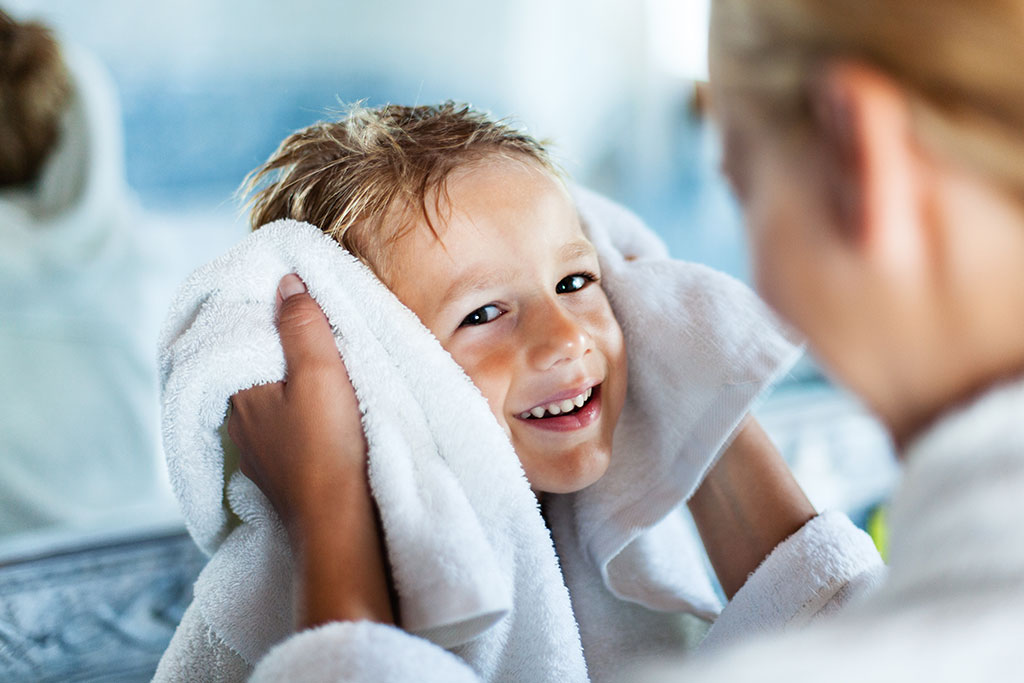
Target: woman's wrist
302, 443
337, 583
340, 561
323, 499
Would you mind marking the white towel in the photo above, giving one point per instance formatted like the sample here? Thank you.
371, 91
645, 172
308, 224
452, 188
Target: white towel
463, 528
473, 561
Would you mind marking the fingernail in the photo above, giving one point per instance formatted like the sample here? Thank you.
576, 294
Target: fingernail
290, 285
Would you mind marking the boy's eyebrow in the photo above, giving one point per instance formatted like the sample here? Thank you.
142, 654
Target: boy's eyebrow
481, 279
475, 281
575, 250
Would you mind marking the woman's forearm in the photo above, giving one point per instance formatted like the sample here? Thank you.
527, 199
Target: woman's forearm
341, 568
747, 505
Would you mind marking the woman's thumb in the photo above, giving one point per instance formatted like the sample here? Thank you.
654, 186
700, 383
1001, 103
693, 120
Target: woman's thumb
305, 333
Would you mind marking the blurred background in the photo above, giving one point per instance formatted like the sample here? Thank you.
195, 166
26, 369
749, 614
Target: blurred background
209, 89
199, 93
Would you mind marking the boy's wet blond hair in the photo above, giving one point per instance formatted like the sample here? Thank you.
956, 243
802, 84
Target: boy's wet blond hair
367, 177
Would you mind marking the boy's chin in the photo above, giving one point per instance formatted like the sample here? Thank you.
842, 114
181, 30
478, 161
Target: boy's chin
569, 473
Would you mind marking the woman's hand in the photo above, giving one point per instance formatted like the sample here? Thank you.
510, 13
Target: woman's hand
302, 443
300, 436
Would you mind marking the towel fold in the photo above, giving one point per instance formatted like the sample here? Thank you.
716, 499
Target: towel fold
462, 527
702, 349
812, 574
473, 561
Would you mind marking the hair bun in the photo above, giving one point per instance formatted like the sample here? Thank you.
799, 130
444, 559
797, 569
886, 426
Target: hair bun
34, 88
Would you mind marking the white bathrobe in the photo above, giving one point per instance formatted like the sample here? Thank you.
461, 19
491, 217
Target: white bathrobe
952, 606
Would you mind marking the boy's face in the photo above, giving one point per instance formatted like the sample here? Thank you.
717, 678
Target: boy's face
510, 289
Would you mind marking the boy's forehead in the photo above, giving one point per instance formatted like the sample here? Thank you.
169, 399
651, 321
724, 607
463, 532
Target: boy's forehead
481, 211
429, 273
448, 245
494, 191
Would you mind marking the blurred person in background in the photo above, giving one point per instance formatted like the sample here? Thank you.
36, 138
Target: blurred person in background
877, 147
78, 417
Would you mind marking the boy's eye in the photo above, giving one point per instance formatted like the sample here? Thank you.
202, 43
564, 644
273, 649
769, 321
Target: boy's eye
482, 315
574, 283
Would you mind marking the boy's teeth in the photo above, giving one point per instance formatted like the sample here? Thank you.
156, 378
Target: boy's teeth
560, 407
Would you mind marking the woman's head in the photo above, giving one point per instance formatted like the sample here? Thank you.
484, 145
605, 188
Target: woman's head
957, 62
878, 149
34, 89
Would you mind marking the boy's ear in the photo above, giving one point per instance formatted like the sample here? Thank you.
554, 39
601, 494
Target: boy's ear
872, 161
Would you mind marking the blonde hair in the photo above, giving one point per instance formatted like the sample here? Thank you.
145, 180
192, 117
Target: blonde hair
959, 62
34, 89
361, 178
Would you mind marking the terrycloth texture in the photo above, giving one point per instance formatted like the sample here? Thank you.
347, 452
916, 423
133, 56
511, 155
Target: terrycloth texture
701, 348
617, 632
337, 652
777, 597
473, 561
950, 608
463, 529
196, 653
79, 315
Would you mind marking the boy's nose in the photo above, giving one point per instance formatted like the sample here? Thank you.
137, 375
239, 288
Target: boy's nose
556, 337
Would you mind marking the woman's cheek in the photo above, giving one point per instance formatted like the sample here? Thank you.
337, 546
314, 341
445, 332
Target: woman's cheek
763, 268
771, 247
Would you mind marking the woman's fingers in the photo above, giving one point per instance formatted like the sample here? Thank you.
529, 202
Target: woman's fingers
302, 438
305, 333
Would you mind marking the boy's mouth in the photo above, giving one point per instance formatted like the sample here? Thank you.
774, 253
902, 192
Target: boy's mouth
565, 407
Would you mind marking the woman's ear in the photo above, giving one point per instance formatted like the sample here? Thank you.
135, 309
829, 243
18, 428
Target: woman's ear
871, 158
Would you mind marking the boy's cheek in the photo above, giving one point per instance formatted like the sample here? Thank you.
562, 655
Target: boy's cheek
496, 402
493, 384
618, 373
490, 368
614, 347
